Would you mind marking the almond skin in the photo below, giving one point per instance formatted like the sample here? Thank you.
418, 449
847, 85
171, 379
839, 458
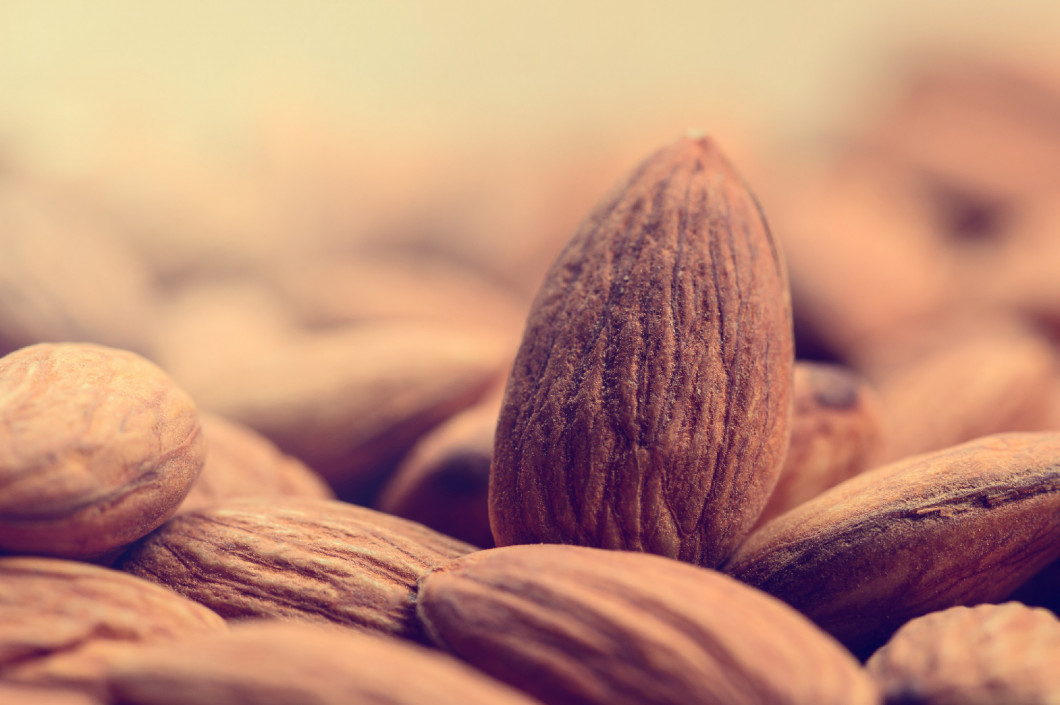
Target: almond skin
98, 446
960, 526
584, 626
267, 663
243, 463
972, 656
311, 560
62, 622
649, 404
835, 429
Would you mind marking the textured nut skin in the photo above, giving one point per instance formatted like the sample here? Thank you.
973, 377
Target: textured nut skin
62, 622
955, 527
16, 693
242, 463
311, 560
649, 403
97, 447
972, 656
265, 663
835, 428
577, 625
443, 483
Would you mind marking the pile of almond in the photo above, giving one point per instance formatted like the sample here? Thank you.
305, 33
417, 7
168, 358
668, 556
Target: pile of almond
796, 450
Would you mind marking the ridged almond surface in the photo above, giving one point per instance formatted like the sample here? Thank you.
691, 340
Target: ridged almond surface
835, 427
269, 663
305, 559
97, 447
649, 403
978, 655
960, 526
577, 625
62, 622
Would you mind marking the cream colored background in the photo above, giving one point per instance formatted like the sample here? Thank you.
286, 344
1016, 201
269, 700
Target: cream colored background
214, 74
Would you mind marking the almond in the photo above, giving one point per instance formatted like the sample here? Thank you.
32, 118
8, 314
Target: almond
243, 463
304, 559
97, 447
649, 403
61, 622
570, 624
265, 663
969, 655
956, 527
835, 429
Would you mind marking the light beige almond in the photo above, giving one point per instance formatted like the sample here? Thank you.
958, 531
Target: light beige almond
97, 447
978, 655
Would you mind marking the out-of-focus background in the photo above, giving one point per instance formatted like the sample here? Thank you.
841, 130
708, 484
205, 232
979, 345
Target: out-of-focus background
235, 189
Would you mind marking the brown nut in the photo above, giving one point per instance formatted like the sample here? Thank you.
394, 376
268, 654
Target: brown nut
265, 663
649, 403
835, 428
964, 525
349, 402
443, 483
243, 463
948, 381
97, 447
972, 656
62, 622
570, 624
305, 559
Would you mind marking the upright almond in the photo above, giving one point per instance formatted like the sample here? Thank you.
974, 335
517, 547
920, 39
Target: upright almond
648, 408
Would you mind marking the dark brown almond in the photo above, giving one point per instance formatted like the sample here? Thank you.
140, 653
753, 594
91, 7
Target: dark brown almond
266, 662
242, 463
312, 560
835, 428
960, 526
97, 447
577, 625
649, 404
443, 483
62, 622
972, 656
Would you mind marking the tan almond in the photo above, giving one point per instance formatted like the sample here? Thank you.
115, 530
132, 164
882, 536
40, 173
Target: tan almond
948, 381
305, 559
649, 403
835, 429
18, 694
62, 622
266, 662
242, 463
978, 655
350, 402
97, 447
443, 483
959, 526
570, 624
